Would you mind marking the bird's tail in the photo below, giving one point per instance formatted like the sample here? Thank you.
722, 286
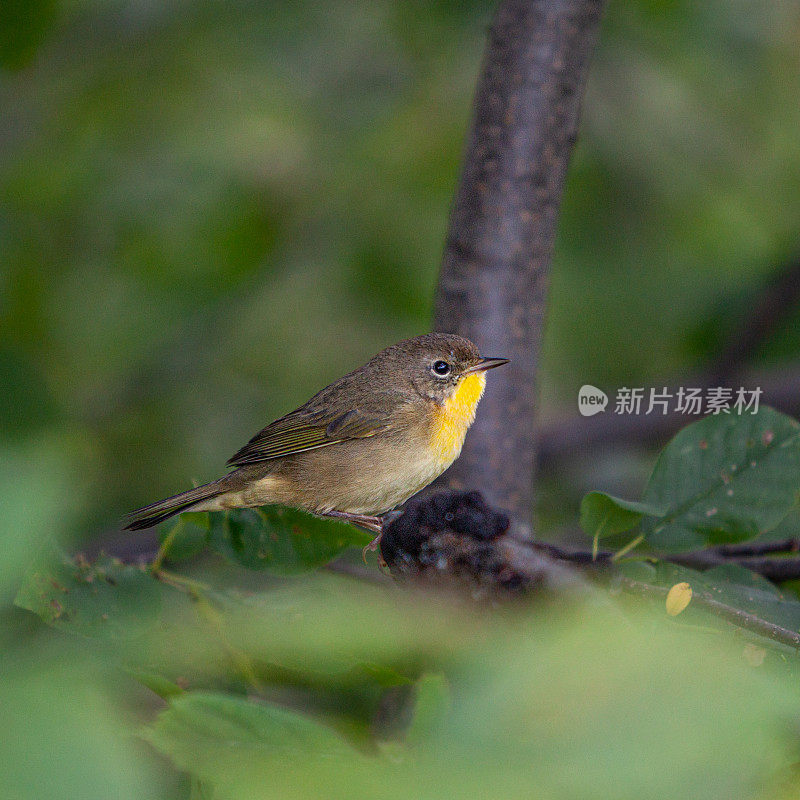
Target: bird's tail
164, 509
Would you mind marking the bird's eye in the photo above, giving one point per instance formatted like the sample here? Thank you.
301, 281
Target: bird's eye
441, 368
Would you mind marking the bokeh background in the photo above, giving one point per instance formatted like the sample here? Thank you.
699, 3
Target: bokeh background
210, 210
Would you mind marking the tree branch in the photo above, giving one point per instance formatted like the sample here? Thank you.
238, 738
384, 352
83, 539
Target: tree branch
736, 616
774, 569
790, 545
493, 281
772, 307
456, 539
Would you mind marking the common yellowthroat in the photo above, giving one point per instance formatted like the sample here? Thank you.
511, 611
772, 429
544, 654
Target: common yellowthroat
361, 446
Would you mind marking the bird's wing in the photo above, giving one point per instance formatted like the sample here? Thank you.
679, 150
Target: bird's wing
305, 429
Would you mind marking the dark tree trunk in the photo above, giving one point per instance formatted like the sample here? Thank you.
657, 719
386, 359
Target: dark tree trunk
494, 277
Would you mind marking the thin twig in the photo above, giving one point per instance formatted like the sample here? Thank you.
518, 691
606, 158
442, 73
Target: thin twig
206, 611
771, 307
454, 549
195, 589
776, 569
736, 616
620, 554
790, 545
166, 545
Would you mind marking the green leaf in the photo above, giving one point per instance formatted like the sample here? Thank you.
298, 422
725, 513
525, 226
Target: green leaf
188, 535
68, 727
605, 515
726, 478
726, 574
280, 539
234, 744
104, 598
156, 683
644, 571
433, 701
379, 674
735, 586
535, 696
195, 720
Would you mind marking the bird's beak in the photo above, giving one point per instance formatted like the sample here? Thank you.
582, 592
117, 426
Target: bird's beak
486, 363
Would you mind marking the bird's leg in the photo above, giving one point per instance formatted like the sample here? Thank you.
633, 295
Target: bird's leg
370, 523
365, 521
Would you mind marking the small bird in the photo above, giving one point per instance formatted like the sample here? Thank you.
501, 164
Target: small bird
361, 446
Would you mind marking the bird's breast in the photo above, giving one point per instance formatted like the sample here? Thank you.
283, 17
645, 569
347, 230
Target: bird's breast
451, 420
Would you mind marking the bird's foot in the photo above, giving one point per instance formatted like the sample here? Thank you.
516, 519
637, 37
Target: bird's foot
370, 523
374, 524
373, 545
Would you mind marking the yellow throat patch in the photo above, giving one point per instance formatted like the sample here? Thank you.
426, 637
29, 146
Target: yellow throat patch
454, 417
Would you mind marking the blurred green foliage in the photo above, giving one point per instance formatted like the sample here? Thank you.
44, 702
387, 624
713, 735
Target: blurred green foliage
320, 686
207, 212
280, 694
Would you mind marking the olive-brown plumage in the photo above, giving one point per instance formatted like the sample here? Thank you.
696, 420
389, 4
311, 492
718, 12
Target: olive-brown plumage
361, 446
